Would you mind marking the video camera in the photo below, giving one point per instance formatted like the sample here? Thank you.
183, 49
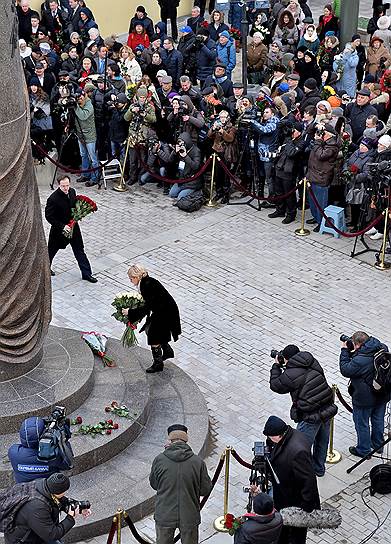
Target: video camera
53, 440
277, 354
248, 117
261, 472
348, 340
68, 504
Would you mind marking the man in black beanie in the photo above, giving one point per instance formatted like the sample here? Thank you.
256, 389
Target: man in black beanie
37, 520
292, 463
261, 527
312, 408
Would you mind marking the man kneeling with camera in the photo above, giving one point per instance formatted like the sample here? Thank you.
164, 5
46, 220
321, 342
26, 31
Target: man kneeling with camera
300, 374
32, 511
44, 447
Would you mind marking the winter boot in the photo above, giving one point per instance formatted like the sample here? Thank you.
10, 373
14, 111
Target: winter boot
168, 352
157, 365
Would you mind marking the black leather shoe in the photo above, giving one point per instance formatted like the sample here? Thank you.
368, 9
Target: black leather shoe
91, 183
91, 279
311, 221
225, 199
275, 214
288, 219
267, 205
154, 368
353, 451
52, 273
81, 179
317, 228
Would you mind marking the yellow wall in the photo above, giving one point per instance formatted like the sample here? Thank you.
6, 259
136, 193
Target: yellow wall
113, 16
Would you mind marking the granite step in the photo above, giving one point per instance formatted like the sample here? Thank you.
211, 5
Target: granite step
127, 384
123, 480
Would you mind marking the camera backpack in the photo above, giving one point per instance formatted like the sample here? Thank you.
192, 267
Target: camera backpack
382, 372
192, 202
380, 477
12, 500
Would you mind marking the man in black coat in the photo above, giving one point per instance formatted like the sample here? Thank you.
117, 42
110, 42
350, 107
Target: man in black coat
37, 520
58, 213
25, 13
312, 398
261, 527
74, 16
292, 463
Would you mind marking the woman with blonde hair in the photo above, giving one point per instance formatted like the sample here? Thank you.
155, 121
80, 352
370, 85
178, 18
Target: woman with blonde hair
163, 322
128, 64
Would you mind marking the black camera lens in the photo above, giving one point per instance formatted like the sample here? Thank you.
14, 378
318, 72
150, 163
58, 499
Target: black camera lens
344, 338
273, 353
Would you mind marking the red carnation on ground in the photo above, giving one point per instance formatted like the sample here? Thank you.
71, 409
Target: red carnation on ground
107, 409
108, 431
114, 403
115, 426
79, 420
109, 421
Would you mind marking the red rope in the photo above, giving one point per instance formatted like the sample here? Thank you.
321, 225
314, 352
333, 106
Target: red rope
343, 401
111, 534
329, 223
241, 461
66, 168
253, 195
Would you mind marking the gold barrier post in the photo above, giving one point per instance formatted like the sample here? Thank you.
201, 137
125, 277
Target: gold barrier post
302, 231
121, 187
210, 203
219, 523
382, 264
333, 456
119, 516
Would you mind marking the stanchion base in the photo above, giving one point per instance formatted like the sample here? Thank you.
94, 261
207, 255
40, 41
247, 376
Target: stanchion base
218, 524
211, 204
120, 188
302, 232
333, 457
382, 266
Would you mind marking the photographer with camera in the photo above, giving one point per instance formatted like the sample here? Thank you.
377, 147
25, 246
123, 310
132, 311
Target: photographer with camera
185, 118
263, 526
36, 508
291, 460
205, 55
356, 362
300, 374
29, 461
157, 154
86, 134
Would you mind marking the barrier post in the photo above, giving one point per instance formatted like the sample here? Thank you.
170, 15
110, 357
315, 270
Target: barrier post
210, 202
119, 516
382, 264
333, 456
219, 523
121, 187
302, 231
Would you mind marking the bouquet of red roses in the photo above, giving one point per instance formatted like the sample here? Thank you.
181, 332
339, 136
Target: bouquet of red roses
235, 33
232, 523
83, 207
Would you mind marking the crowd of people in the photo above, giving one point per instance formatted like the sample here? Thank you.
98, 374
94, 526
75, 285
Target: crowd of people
313, 108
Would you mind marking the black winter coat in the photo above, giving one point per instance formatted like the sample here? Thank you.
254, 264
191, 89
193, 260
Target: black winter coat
163, 320
206, 59
173, 62
303, 378
287, 163
259, 529
119, 128
58, 213
358, 366
292, 462
310, 99
357, 116
39, 520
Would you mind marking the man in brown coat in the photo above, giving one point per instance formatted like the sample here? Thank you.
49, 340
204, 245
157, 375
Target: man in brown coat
321, 164
256, 58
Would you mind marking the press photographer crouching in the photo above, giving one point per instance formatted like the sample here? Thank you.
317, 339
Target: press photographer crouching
361, 359
44, 447
300, 374
38, 505
263, 526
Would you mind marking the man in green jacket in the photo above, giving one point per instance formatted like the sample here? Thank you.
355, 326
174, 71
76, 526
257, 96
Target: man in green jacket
180, 478
86, 134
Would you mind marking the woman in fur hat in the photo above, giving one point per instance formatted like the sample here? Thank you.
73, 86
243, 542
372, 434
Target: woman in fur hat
287, 32
378, 57
383, 31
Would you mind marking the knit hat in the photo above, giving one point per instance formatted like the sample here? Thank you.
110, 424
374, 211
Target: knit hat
356, 37
57, 483
257, 35
275, 426
283, 87
265, 90
89, 87
177, 427
225, 33
277, 42
34, 81
310, 54
385, 140
161, 73
289, 351
185, 29
334, 101
310, 84
44, 47
302, 48
383, 22
263, 504
178, 435
329, 33
142, 92
279, 68
370, 143
369, 78
296, 125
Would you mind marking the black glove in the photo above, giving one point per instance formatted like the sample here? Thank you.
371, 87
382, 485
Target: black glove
284, 41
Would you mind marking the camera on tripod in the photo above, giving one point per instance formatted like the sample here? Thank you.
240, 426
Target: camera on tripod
68, 504
348, 340
261, 472
54, 437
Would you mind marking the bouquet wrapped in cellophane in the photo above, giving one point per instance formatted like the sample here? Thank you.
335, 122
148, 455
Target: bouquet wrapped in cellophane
131, 300
83, 207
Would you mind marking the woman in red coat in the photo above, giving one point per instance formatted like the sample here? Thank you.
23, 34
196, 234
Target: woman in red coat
138, 37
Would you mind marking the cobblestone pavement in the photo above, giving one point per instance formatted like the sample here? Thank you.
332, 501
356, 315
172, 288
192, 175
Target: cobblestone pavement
244, 284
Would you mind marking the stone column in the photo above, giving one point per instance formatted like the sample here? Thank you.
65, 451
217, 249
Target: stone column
25, 285
348, 20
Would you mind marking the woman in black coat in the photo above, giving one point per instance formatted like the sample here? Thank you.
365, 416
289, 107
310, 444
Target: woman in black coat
163, 321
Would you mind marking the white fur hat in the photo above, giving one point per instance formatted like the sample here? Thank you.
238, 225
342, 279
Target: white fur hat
385, 140
383, 22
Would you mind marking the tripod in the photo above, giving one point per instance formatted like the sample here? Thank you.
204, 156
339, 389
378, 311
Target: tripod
371, 454
261, 471
255, 187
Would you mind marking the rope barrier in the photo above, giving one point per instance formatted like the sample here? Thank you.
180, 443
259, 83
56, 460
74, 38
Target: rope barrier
329, 223
253, 195
67, 168
241, 461
343, 401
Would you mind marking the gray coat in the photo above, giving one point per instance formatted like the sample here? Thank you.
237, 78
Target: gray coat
180, 478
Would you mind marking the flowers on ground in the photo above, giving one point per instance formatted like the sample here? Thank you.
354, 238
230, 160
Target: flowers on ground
97, 342
119, 410
131, 300
103, 427
83, 207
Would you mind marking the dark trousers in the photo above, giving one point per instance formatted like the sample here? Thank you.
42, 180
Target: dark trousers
78, 251
134, 166
165, 535
293, 535
222, 181
289, 204
170, 12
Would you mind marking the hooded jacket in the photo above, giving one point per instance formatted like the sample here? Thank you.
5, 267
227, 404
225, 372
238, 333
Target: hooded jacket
23, 456
191, 162
304, 379
375, 57
226, 54
287, 33
180, 478
145, 21
259, 529
358, 366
